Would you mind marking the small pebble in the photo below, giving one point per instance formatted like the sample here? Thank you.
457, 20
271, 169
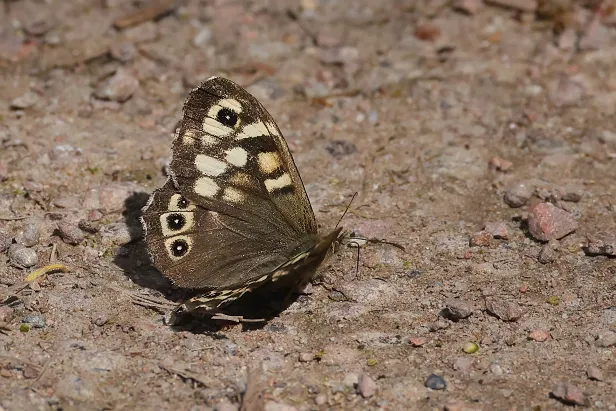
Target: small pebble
539, 335
462, 364
26, 100
500, 164
320, 399
572, 194
606, 339
518, 194
115, 234
22, 256
306, 357
34, 320
94, 215
498, 230
123, 51
435, 382
29, 235
594, 373
226, 406
6, 314
5, 241
417, 341
504, 310
70, 233
439, 325
90, 227
366, 386
547, 255
457, 309
496, 369
569, 394
340, 148
350, 380
598, 244
119, 87
481, 239
547, 222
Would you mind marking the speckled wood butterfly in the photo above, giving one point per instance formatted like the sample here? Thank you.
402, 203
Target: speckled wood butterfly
234, 216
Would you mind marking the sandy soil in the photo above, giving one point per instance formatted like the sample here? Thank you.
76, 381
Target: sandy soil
480, 138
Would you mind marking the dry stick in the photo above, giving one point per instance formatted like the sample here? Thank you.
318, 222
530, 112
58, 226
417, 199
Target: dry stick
45, 367
236, 318
184, 374
151, 12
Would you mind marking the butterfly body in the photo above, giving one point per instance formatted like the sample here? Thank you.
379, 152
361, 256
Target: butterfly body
234, 217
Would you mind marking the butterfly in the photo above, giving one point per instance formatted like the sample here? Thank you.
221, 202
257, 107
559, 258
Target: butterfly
234, 217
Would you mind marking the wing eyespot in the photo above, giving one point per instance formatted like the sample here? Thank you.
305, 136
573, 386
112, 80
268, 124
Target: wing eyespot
176, 221
227, 117
179, 248
182, 203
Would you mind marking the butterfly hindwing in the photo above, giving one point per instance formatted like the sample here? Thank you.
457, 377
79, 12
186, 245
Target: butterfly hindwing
292, 275
199, 248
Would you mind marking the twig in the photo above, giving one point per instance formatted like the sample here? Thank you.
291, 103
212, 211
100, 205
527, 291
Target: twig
236, 318
184, 374
45, 367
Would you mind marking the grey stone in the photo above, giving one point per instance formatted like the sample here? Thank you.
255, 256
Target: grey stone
28, 235
435, 382
22, 256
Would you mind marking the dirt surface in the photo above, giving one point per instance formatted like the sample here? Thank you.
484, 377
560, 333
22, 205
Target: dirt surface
443, 115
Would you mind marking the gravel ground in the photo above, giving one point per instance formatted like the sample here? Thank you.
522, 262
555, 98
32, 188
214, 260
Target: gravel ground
480, 136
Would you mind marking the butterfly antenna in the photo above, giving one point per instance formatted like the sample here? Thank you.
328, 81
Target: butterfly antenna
347, 209
357, 262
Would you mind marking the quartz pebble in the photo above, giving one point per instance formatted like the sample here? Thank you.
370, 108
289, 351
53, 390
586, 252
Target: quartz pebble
22, 256
366, 386
119, 87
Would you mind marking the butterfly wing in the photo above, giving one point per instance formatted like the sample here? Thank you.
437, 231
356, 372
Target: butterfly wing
292, 275
230, 157
233, 252
234, 217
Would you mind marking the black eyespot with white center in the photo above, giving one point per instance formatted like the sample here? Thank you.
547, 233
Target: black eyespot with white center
179, 248
182, 203
227, 117
176, 221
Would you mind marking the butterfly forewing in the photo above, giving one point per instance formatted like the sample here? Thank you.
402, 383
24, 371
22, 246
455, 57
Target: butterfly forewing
229, 156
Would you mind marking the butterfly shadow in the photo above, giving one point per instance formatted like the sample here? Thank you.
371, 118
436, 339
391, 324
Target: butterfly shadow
133, 256
134, 260
262, 306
